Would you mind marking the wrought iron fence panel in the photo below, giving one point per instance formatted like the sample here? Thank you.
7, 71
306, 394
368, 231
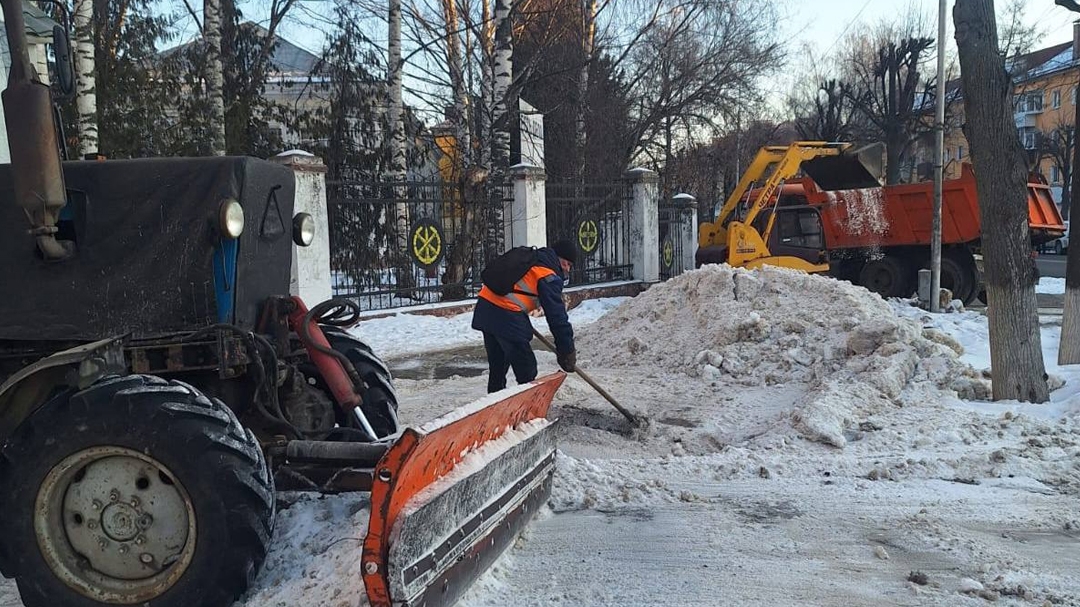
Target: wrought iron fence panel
596, 217
676, 225
409, 243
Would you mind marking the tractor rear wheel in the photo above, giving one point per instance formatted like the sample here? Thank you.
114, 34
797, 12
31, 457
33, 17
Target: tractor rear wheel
135, 491
379, 397
886, 276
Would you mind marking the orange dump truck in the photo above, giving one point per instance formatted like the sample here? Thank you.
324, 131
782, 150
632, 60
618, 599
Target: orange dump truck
880, 237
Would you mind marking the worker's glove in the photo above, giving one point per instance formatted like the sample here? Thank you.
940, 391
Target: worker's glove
567, 361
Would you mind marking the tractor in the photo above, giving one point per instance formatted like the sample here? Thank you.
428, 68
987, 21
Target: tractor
158, 382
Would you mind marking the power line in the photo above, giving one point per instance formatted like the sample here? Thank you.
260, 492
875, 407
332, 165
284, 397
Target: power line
847, 27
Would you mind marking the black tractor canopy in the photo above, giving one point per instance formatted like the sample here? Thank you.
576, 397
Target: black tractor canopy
151, 256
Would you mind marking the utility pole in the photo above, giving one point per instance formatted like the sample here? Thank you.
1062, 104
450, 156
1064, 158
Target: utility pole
939, 165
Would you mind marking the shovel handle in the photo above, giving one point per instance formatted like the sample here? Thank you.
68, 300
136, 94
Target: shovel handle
609, 398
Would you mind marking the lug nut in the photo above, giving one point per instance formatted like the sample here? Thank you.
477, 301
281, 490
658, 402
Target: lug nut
146, 558
123, 548
102, 542
114, 495
96, 505
140, 540
134, 502
91, 525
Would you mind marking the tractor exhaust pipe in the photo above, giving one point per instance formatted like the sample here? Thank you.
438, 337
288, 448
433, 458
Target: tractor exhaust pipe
35, 154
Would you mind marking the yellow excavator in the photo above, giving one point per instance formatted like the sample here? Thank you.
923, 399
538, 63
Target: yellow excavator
742, 235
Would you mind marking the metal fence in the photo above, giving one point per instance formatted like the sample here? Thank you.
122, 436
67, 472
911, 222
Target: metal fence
674, 219
402, 244
596, 217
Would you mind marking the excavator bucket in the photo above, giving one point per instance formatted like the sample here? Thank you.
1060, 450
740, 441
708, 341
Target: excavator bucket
851, 170
447, 498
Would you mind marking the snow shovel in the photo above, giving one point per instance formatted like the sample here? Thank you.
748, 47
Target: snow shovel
635, 420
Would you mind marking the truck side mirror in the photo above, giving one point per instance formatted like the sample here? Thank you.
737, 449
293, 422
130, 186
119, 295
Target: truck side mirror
65, 73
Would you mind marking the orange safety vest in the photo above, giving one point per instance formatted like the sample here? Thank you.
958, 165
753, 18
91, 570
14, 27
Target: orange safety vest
525, 296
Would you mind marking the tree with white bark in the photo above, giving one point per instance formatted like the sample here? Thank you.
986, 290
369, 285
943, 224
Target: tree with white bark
215, 76
85, 87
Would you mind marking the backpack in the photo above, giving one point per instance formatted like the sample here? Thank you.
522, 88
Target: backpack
503, 272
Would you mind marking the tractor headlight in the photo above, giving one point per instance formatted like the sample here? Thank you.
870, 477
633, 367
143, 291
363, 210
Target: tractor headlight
231, 219
303, 229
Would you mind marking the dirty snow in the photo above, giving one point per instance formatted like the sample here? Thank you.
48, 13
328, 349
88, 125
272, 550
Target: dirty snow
809, 444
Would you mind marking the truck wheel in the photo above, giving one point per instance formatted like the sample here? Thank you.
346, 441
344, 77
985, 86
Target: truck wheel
135, 491
1058, 250
380, 399
886, 276
959, 275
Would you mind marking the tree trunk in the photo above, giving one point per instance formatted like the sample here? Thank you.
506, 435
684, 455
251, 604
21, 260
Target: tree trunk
588, 42
215, 78
486, 83
462, 143
395, 111
399, 256
1066, 179
504, 76
86, 96
1001, 180
1069, 343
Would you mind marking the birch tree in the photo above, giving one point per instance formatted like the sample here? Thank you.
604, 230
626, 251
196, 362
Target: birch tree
503, 78
1017, 368
396, 124
588, 45
86, 93
487, 77
215, 78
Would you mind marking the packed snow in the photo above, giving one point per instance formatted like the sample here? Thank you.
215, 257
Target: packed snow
1049, 285
809, 444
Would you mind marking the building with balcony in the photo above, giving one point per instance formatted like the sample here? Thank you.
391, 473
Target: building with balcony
1044, 106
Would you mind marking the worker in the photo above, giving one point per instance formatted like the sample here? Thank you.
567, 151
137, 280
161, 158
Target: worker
533, 279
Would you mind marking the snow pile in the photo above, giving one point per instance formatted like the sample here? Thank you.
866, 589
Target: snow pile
774, 326
315, 556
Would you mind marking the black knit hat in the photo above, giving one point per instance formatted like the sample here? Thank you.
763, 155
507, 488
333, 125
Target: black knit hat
566, 250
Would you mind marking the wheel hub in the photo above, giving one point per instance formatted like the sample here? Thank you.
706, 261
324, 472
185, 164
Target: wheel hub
118, 522
115, 525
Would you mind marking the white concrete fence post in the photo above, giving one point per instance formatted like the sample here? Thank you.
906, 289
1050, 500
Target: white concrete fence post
526, 214
644, 224
686, 205
310, 278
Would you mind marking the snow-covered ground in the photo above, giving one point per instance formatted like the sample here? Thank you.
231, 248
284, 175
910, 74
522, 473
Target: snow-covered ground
1049, 285
809, 444
404, 334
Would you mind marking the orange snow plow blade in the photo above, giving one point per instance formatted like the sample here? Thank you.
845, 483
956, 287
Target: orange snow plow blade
447, 498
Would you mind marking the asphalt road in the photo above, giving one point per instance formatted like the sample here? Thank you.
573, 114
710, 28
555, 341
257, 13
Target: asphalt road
1051, 265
